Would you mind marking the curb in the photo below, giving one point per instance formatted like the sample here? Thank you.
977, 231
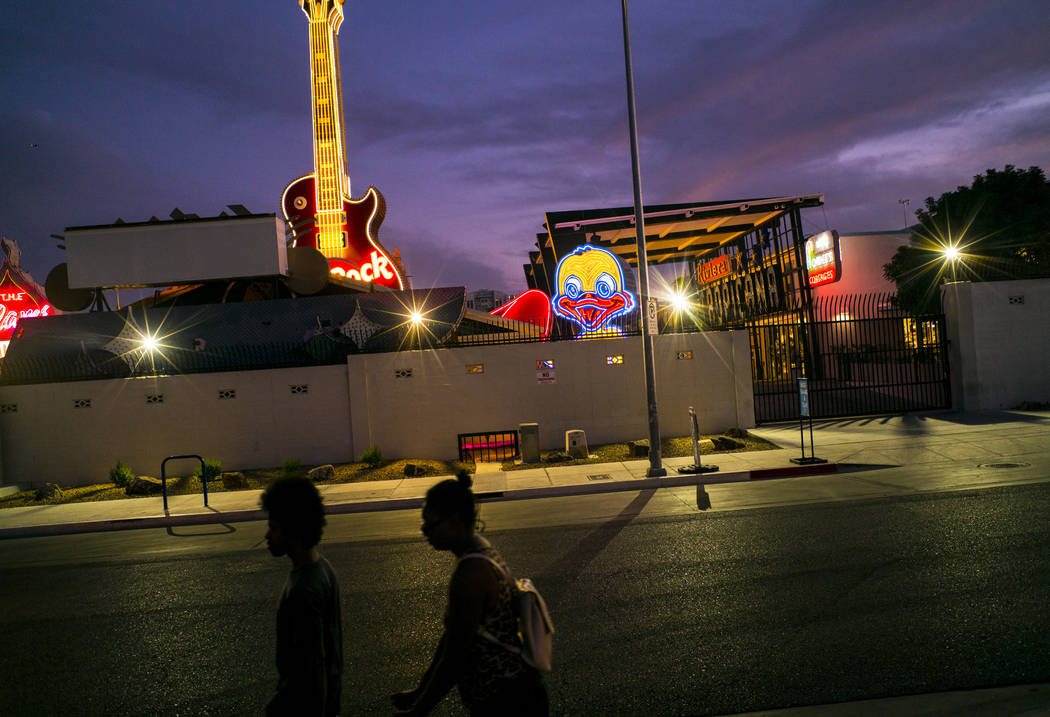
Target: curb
375, 506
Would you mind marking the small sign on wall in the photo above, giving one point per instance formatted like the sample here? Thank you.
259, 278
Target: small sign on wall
547, 375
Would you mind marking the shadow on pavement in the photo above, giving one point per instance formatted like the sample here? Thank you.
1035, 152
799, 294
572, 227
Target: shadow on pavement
227, 528
860, 467
578, 558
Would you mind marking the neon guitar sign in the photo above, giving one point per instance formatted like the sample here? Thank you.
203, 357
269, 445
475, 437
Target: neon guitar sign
344, 229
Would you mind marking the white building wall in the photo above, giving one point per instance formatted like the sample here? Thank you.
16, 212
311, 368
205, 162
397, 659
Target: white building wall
999, 335
347, 408
47, 439
423, 414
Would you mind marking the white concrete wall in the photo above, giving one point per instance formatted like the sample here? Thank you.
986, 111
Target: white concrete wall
999, 348
350, 407
422, 415
49, 440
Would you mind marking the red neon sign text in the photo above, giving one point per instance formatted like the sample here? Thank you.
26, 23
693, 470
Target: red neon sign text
17, 303
377, 266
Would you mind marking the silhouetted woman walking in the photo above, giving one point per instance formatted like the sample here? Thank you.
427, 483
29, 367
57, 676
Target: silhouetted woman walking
492, 679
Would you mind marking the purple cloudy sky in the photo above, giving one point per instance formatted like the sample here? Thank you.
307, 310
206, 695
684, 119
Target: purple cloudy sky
474, 117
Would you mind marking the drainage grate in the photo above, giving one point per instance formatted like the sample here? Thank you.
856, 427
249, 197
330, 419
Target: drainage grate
600, 476
1003, 465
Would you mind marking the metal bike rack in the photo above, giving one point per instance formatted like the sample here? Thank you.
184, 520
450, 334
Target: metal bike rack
164, 477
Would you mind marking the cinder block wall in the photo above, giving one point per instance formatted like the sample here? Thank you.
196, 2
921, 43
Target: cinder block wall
423, 413
48, 433
1000, 340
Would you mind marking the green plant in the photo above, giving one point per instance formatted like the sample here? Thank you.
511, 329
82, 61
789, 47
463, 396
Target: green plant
211, 466
121, 475
373, 457
291, 467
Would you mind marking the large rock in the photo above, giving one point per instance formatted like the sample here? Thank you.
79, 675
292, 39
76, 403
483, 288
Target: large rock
322, 473
144, 485
639, 449
49, 491
413, 470
234, 480
726, 444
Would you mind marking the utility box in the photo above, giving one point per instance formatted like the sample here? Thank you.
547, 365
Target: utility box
529, 442
576, 443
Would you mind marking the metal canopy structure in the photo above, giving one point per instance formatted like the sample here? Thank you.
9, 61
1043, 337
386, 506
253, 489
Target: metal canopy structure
674, 232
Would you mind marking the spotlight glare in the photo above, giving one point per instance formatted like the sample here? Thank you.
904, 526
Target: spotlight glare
416, 318
149, 343
679, 302
951, 253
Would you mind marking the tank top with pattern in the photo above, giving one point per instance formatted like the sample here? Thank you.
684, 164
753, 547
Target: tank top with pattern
489, 664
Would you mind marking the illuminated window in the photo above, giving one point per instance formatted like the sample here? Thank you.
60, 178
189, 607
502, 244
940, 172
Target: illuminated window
227, 393
299, 388
614, 360
541, 365
403, 373
684, 355
921, 334
475, 368
81, 403
8, 408
155, 398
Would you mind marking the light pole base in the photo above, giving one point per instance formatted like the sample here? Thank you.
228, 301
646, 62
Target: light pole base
692, 469
808, 460
656, 473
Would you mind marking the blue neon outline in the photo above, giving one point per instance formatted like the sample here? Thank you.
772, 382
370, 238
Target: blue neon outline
628, 307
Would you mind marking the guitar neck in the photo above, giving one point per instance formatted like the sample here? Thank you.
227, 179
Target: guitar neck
332, 182
329, 131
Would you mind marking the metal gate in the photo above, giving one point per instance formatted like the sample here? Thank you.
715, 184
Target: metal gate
861, 355
490, 446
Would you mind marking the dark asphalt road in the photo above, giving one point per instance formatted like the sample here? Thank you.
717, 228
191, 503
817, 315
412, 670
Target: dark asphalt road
659, 610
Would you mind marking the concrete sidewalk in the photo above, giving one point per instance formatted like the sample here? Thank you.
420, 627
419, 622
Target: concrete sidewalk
967, 440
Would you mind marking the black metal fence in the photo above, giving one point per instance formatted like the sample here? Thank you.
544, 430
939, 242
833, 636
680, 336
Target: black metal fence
489, 446
861, 354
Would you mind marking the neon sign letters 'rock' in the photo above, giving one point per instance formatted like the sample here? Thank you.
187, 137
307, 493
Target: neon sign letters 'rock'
591, 291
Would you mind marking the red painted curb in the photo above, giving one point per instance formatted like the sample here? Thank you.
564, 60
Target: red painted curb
789, 471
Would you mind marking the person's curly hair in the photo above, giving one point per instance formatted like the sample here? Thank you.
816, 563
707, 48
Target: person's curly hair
295, 504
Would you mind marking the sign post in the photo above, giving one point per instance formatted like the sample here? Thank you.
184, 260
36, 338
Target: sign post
803, 414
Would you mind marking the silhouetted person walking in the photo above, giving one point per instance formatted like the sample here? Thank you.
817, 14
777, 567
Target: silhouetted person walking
493, 680
309, 623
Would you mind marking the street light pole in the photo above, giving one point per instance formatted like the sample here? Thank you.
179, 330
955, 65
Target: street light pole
656, 468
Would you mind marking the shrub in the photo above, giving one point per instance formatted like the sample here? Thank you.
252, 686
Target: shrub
373, 457
291, 467
121, 475
211, 466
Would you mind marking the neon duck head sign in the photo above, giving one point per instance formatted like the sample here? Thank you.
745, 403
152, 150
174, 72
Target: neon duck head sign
591, 290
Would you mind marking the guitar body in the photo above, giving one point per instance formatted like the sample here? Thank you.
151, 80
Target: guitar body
353, 250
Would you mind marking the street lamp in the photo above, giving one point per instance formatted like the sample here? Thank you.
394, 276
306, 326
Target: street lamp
656, 468
951, 255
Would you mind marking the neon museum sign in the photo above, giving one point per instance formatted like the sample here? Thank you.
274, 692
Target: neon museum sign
591, 291
17, 303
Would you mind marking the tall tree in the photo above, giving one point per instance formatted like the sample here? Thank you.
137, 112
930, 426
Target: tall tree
997, 228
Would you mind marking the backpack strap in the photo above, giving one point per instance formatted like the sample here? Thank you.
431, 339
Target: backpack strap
505, 573
482, 632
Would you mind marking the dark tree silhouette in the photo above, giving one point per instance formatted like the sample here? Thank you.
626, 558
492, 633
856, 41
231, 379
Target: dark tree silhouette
998, 228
